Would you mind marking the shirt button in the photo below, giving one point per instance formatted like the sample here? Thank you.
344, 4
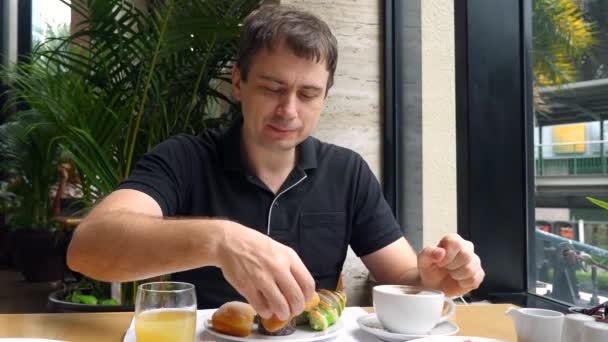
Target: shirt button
276, 204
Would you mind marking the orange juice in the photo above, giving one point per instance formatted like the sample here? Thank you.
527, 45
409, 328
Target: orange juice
165, 325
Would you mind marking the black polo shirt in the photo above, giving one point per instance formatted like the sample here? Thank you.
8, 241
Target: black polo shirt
330, 200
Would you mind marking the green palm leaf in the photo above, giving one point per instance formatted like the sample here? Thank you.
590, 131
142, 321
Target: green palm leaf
598, 202
562, 38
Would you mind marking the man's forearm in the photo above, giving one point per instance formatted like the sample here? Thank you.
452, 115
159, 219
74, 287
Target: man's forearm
124, 246
410, 277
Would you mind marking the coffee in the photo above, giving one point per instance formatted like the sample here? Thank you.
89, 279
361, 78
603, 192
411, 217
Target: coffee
411, 292
407, 290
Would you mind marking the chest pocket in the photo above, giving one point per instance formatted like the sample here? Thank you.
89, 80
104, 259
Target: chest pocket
323, 242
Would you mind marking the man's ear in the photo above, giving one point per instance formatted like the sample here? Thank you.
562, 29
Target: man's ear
236, 82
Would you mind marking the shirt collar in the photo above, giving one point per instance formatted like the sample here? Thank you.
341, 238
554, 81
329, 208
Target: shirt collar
231, 150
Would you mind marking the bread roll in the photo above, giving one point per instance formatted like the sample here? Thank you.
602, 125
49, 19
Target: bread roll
233, 318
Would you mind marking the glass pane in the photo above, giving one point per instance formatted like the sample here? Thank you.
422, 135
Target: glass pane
571, 151
50, 18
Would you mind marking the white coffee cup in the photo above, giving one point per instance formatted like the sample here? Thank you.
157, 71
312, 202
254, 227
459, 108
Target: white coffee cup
595, 332
573, 327
410, 309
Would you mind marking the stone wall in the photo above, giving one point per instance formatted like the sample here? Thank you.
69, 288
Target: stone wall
352, 110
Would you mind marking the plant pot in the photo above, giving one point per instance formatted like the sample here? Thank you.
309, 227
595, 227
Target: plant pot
57, 304
39, 255
5, 252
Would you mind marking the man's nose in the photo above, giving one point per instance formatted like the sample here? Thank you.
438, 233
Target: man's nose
288, 107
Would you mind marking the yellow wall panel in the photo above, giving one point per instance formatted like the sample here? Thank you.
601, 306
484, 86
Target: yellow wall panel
568, 135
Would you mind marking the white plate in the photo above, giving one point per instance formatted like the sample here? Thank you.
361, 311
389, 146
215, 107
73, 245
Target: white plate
370, 324
302, 334
457, 339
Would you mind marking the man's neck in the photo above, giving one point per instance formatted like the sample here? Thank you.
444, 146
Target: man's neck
271, 166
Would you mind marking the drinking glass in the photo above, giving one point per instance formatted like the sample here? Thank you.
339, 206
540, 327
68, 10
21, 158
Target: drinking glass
165, 311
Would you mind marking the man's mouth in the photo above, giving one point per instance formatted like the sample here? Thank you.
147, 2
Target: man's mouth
281, 129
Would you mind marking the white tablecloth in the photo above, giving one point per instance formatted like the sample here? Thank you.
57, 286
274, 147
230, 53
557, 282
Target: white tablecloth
350, 333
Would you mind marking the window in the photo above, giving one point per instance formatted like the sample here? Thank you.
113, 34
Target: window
530, 150
570, 158
15, 22
50, 18
25, 23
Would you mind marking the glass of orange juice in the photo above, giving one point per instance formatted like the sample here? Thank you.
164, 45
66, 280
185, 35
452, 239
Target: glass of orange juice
165, 311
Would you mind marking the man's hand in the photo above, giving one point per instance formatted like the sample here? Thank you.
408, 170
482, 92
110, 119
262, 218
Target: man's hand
452, 266
268, 274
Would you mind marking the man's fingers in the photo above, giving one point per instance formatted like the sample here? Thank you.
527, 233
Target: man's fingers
303, 277
430, 255
452, 244
460, 260
259, 303
470, 275
473, 282
276, 301
292, 292
466, 271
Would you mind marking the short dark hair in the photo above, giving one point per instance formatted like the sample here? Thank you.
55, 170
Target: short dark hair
305, 34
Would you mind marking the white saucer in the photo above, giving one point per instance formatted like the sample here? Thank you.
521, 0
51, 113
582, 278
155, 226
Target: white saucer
457, 339
370, 324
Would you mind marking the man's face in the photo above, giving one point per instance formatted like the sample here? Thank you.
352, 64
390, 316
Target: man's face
281, 99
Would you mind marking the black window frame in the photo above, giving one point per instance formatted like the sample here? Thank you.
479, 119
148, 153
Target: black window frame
24, 29
494, 137
493, 128
392, 137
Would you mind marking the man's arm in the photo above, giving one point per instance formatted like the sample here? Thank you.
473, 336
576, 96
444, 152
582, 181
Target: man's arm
393, 264
452, 266
125, 238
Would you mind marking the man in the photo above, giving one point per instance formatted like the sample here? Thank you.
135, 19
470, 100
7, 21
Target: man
265, 211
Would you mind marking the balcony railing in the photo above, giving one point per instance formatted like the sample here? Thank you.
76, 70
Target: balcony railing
562, 258
572, 159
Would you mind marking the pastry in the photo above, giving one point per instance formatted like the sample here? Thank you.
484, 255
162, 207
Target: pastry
275, 327
234, 318
328, 311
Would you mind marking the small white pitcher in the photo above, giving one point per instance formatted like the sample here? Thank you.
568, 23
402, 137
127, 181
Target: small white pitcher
537, 325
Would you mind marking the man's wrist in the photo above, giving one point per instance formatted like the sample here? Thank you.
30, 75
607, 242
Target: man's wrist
221, 232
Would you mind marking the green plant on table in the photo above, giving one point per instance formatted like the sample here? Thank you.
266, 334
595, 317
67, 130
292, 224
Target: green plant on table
87, 291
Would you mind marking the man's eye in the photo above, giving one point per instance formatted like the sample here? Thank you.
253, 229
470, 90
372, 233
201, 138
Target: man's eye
308, 96
272, 90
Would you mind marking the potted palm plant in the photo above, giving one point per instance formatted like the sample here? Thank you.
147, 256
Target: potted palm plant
130, 78
29, 153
